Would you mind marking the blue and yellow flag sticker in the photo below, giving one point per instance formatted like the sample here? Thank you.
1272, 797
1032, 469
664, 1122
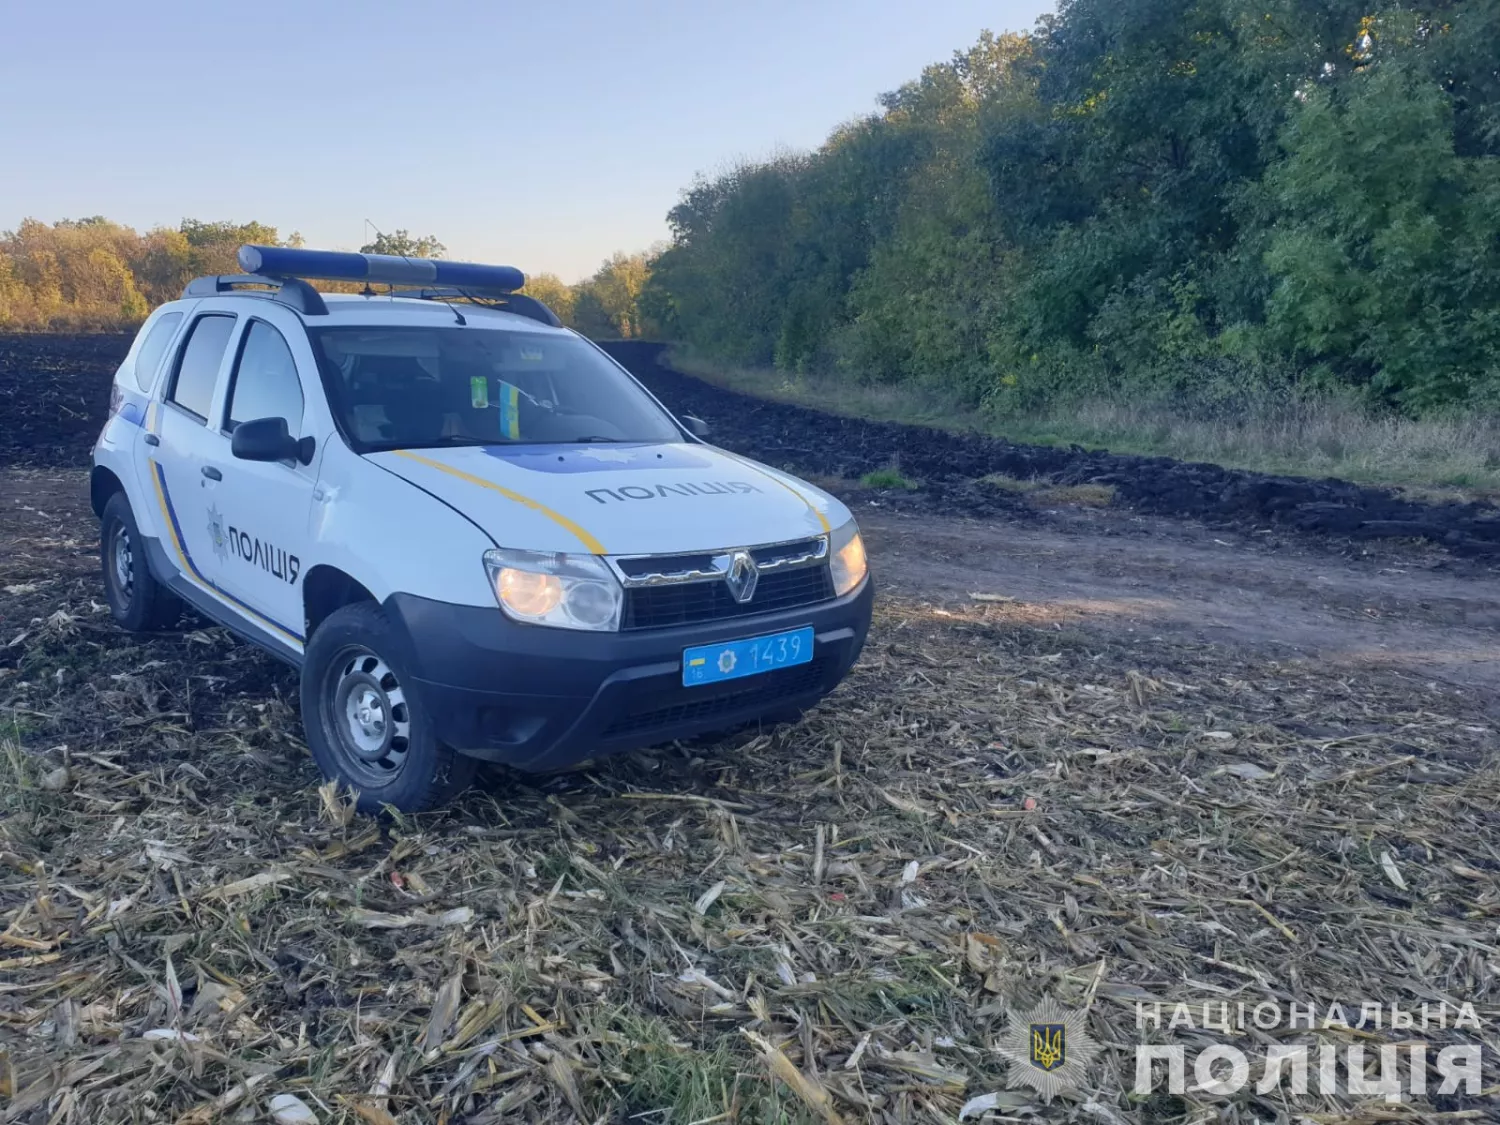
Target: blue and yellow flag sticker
510, 410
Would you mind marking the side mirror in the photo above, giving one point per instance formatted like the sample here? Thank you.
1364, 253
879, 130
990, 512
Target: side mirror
695, 426
267, 439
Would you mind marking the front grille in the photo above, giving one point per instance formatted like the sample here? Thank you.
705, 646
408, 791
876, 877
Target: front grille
683, 603
797, 553
665, 709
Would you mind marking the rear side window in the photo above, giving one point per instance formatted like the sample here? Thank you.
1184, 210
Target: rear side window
198, 367
265, 380
153, 348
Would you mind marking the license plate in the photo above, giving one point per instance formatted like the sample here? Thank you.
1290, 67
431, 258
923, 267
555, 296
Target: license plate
733, 660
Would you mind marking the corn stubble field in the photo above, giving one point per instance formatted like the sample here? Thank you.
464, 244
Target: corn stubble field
817, 923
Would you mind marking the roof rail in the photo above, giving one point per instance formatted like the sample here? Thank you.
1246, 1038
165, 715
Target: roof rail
518, 303
289, 291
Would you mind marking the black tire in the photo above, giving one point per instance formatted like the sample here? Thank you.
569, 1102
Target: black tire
364, 721
137, 600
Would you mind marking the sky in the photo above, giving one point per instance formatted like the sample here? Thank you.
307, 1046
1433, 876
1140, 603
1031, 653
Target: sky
544, 135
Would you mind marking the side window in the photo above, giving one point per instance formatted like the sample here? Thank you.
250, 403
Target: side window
153, 348
198, 363
265, 380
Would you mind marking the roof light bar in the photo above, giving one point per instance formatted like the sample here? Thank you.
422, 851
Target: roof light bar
387, 269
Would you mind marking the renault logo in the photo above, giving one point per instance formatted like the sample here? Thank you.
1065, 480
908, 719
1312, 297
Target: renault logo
742, 576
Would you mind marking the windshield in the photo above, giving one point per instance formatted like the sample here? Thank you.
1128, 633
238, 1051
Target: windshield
409, 388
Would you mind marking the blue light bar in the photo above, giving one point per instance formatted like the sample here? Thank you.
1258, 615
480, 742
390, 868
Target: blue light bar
388, 269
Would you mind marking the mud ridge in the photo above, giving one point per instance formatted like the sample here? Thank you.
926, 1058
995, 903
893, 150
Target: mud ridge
952, 465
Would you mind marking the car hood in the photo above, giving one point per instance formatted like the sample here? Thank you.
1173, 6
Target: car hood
618, 499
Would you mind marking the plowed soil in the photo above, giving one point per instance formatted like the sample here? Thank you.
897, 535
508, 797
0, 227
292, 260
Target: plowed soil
952, 468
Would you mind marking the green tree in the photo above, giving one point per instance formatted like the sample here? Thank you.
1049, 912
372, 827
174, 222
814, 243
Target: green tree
403, 245
1386, 256
550, 289
609, 303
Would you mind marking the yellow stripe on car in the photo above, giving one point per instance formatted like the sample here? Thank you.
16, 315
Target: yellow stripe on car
594, 546
166, 517
822, 519
192, 573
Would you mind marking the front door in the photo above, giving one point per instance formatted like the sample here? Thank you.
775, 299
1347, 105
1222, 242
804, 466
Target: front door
260, 521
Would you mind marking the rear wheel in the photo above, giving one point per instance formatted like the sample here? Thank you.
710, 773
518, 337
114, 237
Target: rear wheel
364, 722
136, 599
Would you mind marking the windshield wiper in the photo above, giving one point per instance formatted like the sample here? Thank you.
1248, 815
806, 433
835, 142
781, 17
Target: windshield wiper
433, 443
590, 439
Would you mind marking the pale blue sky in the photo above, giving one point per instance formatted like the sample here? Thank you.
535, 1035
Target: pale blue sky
544, 135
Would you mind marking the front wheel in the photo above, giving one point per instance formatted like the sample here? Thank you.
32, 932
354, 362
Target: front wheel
364, 722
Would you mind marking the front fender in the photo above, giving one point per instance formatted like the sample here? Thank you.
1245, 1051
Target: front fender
394, 538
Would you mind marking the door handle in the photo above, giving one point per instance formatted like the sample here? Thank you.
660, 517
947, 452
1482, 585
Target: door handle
152, 439
212, 473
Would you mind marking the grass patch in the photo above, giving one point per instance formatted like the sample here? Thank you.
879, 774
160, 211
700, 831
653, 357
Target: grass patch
837, 396
666, 1076
1458, 457
1010, 484
1083, 495
886, 478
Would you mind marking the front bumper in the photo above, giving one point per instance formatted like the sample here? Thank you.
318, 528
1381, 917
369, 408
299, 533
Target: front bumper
540, 698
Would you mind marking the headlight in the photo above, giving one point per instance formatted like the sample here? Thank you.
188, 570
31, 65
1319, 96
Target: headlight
848, 558
543, 588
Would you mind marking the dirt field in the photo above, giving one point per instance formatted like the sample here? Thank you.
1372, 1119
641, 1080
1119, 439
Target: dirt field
1091, 752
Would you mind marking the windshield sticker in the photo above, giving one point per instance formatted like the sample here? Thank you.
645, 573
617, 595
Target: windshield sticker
642, 492
479, 392
603, 457
510, 410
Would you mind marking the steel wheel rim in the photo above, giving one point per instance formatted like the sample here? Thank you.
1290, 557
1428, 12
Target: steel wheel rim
366, 714
122, 559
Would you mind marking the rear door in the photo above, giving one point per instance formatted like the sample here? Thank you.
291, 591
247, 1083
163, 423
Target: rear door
264, 507
182, 464
137, 381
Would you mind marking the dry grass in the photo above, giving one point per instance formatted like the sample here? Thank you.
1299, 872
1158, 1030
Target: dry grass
1460, 456
824, 922
1082, 495
1456, 458
1011, 484
837, 396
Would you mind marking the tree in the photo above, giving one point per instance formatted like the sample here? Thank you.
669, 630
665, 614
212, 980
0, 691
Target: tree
1386, 256
401, 244
609, 303
549, 289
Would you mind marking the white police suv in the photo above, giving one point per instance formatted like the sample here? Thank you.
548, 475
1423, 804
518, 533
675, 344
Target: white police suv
475, 534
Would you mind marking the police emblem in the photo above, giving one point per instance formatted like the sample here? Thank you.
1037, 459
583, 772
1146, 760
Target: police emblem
216, 533
1048, 1047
